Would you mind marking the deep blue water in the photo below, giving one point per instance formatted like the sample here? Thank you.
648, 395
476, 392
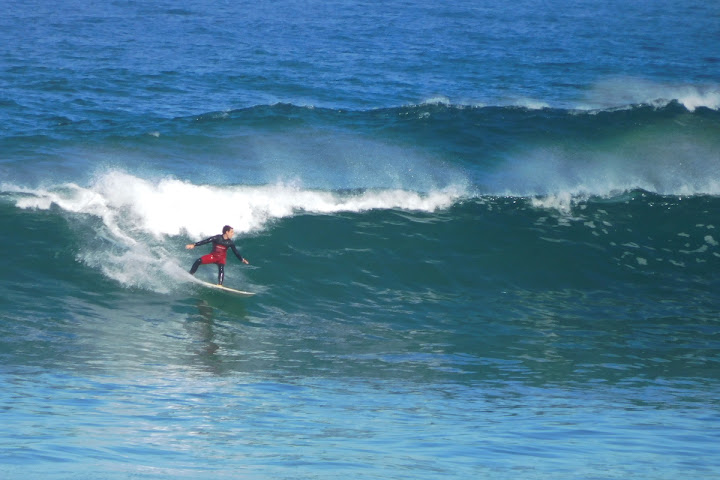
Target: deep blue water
484, 240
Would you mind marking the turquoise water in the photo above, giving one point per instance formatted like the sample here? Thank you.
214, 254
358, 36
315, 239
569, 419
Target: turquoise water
484, 240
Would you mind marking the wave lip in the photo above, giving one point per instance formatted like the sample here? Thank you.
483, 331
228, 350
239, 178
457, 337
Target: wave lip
128, 204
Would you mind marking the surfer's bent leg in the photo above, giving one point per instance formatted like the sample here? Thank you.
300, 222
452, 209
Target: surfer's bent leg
195, 266
221, 273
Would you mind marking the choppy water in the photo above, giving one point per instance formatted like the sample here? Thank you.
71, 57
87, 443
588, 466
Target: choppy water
484, 240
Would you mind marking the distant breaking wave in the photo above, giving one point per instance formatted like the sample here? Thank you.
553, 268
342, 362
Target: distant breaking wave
611, 94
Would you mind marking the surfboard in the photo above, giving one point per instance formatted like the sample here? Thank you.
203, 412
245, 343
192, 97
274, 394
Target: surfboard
223, 288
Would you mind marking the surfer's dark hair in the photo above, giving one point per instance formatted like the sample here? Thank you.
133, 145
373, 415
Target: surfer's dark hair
226, 229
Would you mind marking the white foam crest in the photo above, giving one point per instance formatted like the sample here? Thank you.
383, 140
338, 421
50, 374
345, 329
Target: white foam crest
72, 198
562, 202
129, 205
520, 102
530, 104
438, 100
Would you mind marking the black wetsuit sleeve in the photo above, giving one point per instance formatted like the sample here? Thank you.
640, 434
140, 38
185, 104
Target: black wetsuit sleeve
207, 240
237, 254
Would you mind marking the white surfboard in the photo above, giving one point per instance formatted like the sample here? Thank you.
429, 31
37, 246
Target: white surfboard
239, 293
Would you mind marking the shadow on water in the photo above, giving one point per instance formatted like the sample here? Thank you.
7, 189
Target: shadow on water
230, 305
206, 326
200, 327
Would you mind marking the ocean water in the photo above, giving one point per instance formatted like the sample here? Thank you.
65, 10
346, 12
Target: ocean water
484, 237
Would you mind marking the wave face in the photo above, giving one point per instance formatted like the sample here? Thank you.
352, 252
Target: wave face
133, 231
573, 184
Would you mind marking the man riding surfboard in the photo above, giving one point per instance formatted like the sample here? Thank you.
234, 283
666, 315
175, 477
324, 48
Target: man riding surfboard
218, 255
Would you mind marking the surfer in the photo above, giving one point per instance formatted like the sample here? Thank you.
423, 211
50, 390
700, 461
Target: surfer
218, 255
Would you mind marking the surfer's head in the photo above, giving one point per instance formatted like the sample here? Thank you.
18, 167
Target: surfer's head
228, 230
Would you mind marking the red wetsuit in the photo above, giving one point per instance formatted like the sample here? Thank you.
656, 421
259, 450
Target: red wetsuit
219, 251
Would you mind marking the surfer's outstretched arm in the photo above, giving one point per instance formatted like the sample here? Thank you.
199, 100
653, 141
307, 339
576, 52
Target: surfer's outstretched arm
237, 254
190, 246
